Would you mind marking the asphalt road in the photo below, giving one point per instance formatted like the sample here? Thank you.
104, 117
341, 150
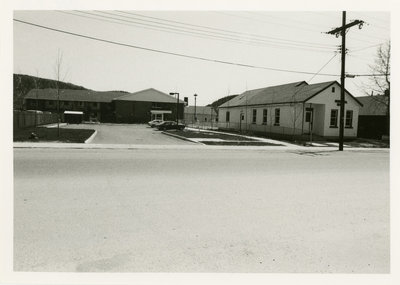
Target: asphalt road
201, 211
128, 134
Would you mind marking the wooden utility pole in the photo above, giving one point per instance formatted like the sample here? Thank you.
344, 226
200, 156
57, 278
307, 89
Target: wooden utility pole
342, 31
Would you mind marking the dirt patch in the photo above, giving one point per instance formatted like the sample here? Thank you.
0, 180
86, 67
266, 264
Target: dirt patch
240, 143
211, 138
209, 135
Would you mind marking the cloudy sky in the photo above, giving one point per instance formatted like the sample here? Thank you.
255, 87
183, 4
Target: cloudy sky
156, 48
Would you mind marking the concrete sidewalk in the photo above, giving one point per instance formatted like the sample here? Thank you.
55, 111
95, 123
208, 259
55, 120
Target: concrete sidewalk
197, 147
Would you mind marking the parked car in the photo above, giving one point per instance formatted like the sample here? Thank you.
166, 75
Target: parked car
170, 125
154, 123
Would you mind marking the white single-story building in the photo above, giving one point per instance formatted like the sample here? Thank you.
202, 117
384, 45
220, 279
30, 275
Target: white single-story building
292, 109
200, 114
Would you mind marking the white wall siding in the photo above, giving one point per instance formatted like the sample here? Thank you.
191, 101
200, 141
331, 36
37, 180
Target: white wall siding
327, 97
290, 119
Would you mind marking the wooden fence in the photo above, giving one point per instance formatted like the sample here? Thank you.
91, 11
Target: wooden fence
24, 119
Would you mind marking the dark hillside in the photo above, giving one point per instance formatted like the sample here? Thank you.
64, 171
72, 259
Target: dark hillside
23, 83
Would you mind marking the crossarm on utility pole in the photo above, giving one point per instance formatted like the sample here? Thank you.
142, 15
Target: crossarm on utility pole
349, 25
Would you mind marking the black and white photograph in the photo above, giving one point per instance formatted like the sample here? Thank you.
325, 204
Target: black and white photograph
202, 140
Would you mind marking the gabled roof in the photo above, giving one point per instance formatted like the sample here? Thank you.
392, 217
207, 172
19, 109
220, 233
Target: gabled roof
287, 93
73, 95
149, 95
373, 105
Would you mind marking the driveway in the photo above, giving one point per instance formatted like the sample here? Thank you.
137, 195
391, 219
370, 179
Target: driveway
128, 134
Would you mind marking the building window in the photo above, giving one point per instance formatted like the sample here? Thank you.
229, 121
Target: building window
277, 117
334, 118
227, 116
349, 119
333, 89
308, 116
254, 116
265, 113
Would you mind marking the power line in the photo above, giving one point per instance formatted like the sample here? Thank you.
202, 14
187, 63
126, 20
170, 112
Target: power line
291, 26
167, 52
224, 34
229, 31
256, 42
374, 20
179, 54
140, 26
323, 67
263, 21
368, 47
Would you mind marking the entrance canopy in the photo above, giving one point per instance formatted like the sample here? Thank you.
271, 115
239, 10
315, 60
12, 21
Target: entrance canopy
160, 112
73, 113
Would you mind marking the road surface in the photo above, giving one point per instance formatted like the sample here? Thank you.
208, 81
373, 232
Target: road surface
108, 210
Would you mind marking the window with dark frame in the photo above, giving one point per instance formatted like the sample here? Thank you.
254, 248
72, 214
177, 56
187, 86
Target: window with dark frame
265, 113
227, 116
334, 118
333, 89
277, 117
254, 116
349, 119
308, 116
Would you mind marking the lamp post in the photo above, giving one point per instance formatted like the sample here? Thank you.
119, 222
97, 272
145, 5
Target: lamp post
177, 105
195, 114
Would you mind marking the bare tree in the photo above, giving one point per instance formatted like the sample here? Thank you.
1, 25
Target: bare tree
60, 75
35, 81
379, 83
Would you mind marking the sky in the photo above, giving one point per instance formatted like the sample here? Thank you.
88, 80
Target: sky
290, 40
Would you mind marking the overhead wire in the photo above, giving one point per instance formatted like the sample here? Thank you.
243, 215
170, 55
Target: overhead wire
177, 54
356, 38
246, 37
165, 52
258, 42
139, 26
229, 31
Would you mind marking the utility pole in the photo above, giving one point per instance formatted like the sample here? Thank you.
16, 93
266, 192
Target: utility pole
195, 115
342, 31
177, 105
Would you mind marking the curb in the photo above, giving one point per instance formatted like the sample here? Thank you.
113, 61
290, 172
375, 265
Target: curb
182, 138
89, 140
54, 125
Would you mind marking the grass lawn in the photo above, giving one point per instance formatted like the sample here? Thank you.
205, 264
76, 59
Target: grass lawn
51, 134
